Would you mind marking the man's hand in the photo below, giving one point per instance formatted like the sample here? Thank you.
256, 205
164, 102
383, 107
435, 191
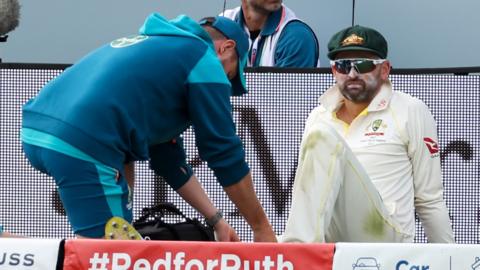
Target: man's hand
224, 232
193, 193
243, 196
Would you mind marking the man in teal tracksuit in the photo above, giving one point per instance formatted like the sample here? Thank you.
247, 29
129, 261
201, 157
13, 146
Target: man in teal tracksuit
131, 100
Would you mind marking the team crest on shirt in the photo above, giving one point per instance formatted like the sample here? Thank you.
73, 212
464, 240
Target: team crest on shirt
376, 128
375, 132
376, 124
127, 41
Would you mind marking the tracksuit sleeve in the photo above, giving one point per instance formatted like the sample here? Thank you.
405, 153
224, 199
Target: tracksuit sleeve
424, 153
169, 161
211, 113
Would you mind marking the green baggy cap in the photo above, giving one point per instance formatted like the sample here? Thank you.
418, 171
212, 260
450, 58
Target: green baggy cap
358, 38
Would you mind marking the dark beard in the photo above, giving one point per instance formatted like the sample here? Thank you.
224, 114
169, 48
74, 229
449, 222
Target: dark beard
359, 95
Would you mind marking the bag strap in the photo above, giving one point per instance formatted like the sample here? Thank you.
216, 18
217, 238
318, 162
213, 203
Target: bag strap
161, 209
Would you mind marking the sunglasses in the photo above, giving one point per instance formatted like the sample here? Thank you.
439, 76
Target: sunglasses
361, 66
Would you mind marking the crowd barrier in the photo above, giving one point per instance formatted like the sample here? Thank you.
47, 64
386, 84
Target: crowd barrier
83, 254
270, 121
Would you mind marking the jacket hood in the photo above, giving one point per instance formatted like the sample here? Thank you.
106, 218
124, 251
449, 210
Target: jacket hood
156, 25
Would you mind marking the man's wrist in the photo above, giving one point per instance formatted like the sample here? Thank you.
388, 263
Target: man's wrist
213, 220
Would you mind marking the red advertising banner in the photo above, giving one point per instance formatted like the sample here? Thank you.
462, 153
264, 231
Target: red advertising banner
82, 254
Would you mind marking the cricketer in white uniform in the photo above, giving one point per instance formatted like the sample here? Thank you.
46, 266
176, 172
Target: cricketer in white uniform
369, 156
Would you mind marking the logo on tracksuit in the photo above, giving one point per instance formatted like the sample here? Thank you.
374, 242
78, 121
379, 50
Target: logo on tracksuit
127, 41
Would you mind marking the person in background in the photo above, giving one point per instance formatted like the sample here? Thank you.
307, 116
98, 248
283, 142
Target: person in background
277, 37
131, 100
369, 156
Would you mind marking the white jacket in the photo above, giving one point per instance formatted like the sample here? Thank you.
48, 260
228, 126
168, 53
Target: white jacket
395, 139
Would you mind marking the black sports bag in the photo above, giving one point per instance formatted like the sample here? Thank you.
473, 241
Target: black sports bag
152, 225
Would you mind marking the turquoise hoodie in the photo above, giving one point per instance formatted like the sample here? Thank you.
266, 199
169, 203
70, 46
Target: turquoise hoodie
130, 98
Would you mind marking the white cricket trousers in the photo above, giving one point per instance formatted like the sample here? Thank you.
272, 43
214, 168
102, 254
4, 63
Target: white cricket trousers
333, 198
